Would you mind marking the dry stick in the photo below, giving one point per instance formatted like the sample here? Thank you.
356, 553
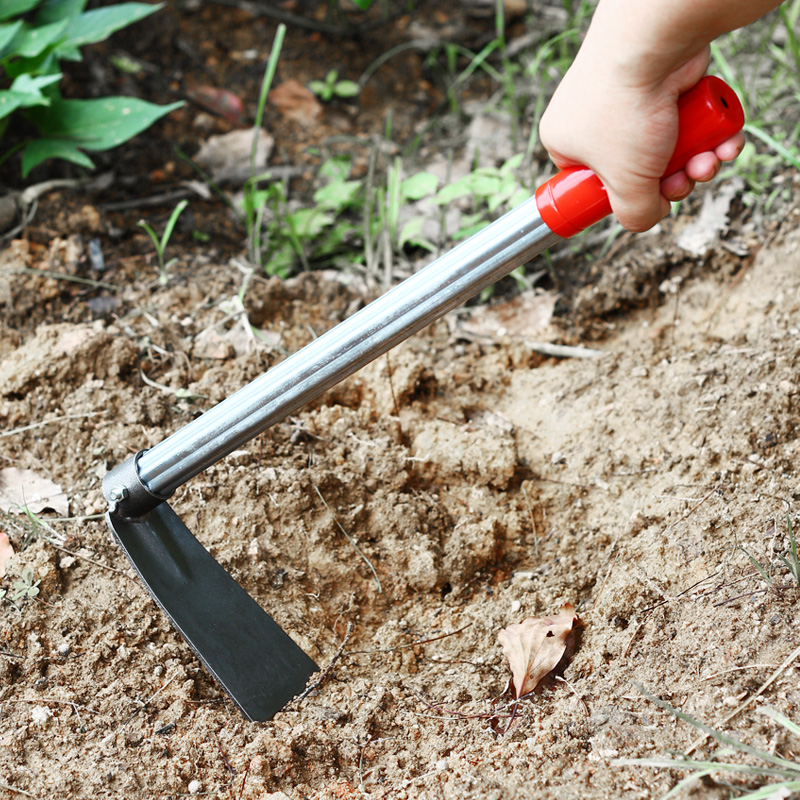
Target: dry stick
605, 580
327, 671
96, 563
38, 700
391, 386
533, 521
349, 538
648, 612
244, 780
149, 699
60, 276
14, 789
41, 424
775, 675
737, 669
563, 350
691, 510
410, 644
578, 698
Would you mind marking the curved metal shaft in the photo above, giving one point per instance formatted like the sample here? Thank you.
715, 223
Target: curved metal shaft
444, 284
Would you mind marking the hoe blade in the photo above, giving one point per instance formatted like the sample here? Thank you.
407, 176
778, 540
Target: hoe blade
246, 651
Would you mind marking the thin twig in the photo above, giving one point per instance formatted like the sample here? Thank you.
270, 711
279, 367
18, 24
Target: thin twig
244, 780
327, 671
410, 644
349, 538
152, 697
60, 276
691, 510
15, 790
579, 699
563, 350
37, 700
533, 521
92, 561
737, 669
41, 424
775, 675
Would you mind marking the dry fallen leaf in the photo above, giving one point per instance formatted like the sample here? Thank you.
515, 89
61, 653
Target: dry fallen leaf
6, 551
534, 646
24, 488
296, 102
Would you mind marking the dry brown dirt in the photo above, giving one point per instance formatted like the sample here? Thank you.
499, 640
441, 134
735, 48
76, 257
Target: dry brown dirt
483, 483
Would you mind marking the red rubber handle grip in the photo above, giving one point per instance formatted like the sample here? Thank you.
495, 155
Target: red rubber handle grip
709, 114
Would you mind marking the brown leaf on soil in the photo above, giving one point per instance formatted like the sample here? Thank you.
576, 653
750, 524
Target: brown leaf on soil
296, 102
535, 646
22, 489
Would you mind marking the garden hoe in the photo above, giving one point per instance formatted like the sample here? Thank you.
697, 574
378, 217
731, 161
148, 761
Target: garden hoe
251, 657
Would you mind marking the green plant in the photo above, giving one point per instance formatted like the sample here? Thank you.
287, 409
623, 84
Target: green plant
791, 560
288, 233
762, 63
255, 200
160, 244
772, 767
332, 87
25, 586
490, 189
30, 56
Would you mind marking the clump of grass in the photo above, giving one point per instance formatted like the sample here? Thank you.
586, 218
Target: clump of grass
762, 63
777, 777
790, 559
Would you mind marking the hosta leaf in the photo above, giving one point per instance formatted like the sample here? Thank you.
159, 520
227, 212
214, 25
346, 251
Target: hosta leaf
32, 41
13, 8
98, 124
7, 34
100, 23
25, 93
42, 149
9, 102
59, 9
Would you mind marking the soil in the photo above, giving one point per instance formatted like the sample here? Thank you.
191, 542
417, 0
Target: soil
458, 485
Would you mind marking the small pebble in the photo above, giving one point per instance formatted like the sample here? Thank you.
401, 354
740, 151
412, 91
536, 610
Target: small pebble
515, 606
64, 649
195, 787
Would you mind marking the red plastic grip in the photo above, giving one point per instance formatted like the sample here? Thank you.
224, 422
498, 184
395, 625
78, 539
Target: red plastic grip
709, 114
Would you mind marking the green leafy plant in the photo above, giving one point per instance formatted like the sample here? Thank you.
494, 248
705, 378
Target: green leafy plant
35, 37
331, 87
160, 243
762, 63
25, 586
783, 773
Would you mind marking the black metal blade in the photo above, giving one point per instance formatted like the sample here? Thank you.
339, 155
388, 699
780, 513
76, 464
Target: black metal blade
248, 653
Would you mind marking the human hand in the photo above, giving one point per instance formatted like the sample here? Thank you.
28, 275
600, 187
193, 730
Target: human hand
625, 130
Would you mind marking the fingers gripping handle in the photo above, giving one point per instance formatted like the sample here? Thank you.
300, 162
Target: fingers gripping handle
709, 114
